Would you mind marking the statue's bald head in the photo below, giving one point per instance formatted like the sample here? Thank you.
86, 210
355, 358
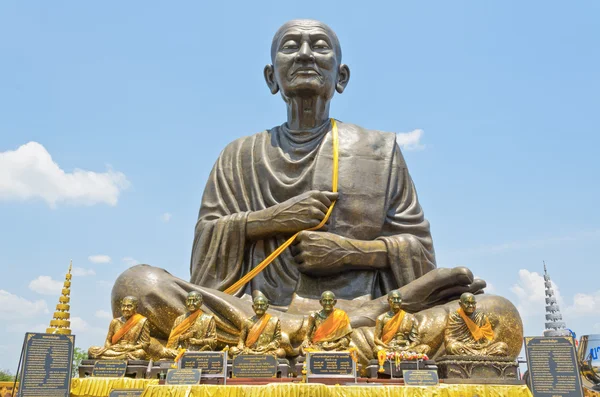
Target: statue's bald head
260, 299
467, 297
304, 24
327, 295
468, 303
395, 294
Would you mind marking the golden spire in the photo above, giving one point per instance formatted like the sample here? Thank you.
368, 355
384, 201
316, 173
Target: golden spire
60, 323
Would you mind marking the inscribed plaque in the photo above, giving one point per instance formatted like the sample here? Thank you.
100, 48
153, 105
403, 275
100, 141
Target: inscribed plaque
422, 377
254, 366
47, 365
109, 368
190, 376
553, 368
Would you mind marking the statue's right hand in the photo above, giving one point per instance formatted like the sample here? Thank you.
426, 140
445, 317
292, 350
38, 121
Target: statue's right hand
301, 212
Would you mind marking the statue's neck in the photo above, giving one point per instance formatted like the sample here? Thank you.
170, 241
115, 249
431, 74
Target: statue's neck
305, 113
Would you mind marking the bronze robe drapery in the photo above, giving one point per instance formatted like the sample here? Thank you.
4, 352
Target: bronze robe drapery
377, 201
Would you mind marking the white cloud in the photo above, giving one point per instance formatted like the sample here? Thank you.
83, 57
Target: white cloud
45, 285
29, 172
410, 140
584, 304
13, 306
531, 293
129, 261
81, 272
79, 325
166, 217
103, 314
99, 258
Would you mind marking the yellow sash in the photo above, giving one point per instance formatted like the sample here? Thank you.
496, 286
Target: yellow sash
182, 327
257, 329
133, 320
333, 326
391, 327
477, 331
259, 268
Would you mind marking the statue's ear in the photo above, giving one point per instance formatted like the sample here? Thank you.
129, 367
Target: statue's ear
270, 79
343, 78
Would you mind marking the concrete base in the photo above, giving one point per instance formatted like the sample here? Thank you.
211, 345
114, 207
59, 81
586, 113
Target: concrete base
477, 368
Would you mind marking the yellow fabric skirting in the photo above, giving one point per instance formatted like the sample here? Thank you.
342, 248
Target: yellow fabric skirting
101, 387
317, 390
274, 390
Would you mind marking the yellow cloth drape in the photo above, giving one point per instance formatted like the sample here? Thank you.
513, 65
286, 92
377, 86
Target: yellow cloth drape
478, 332
181, 328
391, 327
259, 268
272, 390
334, 327
318, 390
257, 329
101, 387
133, 320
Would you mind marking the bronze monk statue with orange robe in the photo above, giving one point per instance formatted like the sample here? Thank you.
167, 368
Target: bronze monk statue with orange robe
469, 332
328, 329
128, 336
286, 181
261, 333
396, 330
194, 330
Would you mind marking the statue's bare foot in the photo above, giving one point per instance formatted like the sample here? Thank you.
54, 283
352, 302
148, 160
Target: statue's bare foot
440, 286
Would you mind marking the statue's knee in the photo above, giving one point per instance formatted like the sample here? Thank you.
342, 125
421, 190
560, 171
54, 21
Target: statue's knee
454, 349
280, 353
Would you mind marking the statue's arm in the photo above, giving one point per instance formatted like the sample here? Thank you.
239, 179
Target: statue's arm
310, 329
143, 341
413, 335
243, 335
111, 333
276, 342
377, 333
209, 338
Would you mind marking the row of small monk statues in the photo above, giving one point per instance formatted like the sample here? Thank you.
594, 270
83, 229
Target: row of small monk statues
468, 331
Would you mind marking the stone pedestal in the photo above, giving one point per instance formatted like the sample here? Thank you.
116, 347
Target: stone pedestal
477, 368
393, 372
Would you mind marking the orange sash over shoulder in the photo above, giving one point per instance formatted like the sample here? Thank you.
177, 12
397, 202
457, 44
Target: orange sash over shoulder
257, 329
477, 331
391, 327
182, 327
334, 327
132, 322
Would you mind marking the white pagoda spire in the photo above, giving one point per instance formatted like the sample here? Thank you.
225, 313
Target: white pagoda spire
555, 326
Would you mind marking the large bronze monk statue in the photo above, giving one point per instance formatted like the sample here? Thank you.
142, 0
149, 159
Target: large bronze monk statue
266, 187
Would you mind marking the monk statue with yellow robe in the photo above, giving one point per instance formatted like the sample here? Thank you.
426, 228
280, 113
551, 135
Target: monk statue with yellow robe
261, 333
396, 330
194, 330
312, 203
328, 329
469, 332
128, 336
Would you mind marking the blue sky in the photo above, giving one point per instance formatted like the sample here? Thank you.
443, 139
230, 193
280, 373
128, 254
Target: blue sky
143, 96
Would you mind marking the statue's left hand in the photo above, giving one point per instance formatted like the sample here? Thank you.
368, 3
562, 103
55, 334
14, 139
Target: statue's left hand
320, 253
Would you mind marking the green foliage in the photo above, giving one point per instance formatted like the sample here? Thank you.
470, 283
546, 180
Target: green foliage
6, 376
78, 356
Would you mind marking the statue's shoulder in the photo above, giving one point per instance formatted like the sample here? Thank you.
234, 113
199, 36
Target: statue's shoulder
455, 317
383, 317
205, 317
372, 141
247, 141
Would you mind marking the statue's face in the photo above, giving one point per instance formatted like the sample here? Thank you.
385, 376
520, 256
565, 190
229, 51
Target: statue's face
395, 302
305, 62
260, 306
328, 302
193, 302
128, 307
468, 304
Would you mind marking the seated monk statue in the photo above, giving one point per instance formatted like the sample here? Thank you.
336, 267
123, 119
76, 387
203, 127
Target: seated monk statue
328, 329
128, 336
396, 330
261, 333
287, 180
469, 332
194, 330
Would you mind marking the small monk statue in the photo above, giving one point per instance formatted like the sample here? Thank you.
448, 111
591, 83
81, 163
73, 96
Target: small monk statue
328, 329
261, 334
469, 332
128, 336
194, 330
396, 330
